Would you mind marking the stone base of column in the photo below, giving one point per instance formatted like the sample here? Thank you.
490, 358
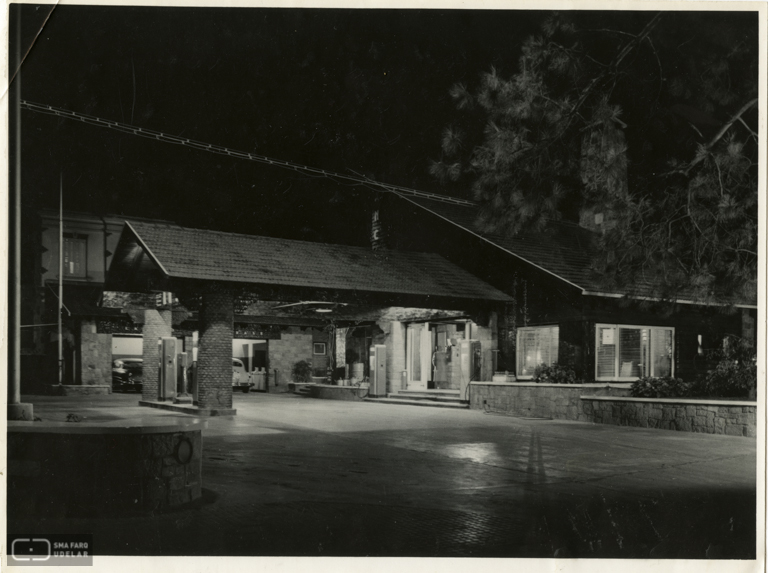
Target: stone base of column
21, 412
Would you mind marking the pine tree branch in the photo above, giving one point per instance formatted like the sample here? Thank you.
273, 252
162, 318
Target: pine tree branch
749, 129
615, 63
569, 52
718, 136
658, 61
604, 30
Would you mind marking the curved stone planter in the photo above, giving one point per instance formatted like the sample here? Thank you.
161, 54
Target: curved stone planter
328, 392
75, 469
81, 390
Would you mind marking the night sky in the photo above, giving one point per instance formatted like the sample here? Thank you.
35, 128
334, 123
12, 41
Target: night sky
354, 91
350, 91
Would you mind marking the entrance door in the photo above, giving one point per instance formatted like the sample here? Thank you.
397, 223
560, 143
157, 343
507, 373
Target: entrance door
419, 354
441, 354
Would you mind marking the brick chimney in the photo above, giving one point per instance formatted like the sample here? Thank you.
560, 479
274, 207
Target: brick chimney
377, 232
597, 218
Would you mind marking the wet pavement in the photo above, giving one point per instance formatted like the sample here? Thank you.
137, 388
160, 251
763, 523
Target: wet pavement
295, 476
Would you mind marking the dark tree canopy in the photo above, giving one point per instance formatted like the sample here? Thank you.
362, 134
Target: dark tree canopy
646, 120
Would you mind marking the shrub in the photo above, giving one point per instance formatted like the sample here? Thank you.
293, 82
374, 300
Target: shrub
662, 387
301, 371
735, 374
555, 374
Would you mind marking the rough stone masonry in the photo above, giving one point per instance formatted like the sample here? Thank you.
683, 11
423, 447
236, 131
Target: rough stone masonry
214, 355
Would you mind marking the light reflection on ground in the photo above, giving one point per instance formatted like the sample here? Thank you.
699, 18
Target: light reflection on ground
479, 452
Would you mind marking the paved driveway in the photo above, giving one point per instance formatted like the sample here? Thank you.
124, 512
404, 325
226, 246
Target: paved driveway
296, 476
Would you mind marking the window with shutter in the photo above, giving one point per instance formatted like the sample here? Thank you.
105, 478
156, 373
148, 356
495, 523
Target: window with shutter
606, 352
662, 352
626, 352
536, 345
75, 253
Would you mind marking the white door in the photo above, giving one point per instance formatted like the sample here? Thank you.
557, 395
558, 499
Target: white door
419, 354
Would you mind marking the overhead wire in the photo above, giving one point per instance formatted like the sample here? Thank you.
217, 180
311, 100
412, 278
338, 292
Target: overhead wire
356, 180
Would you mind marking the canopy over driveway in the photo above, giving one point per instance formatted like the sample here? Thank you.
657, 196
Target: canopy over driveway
223, 268
161, 256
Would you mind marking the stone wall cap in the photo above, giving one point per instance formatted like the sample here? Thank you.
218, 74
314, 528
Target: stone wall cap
539, 385
690, 401
482, 383
97, 428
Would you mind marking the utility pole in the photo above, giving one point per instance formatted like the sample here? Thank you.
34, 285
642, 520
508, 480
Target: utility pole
61, 275
16, 409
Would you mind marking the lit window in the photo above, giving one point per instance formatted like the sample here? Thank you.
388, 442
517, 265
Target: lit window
75, 252
629, 352
536, 345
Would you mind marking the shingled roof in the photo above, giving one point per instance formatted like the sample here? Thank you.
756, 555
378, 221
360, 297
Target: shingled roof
565, 250
182, 253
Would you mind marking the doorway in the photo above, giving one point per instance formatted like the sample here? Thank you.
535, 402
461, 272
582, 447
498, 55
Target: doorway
252, 352
429, 349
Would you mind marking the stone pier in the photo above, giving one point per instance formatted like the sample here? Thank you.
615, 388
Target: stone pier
214, 354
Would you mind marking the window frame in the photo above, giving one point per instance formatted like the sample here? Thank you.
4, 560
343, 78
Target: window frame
651, 328
519, 355
76, 238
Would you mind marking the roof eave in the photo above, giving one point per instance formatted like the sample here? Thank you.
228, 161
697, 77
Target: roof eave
490, 242
147, 249
656, 299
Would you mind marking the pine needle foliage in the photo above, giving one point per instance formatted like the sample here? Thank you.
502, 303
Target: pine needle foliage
650, 120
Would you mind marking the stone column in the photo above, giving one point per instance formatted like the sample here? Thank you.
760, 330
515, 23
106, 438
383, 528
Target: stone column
396, 361
157, 324
488, 337
95, 355
214, 355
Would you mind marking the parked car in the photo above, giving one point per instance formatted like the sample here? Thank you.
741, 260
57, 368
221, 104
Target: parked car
127, 374
240, 378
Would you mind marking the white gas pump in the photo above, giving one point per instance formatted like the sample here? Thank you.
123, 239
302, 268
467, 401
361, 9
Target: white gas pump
378, 369
167, 374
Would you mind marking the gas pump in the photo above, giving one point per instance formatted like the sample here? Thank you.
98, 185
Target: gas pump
183, 362
378, 370
167, 373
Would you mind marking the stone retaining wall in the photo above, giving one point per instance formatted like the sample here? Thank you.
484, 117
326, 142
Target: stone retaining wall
67, 470
611, 404
528, 399
706, 416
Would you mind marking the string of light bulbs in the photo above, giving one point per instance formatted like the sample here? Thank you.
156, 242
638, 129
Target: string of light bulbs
220, 150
